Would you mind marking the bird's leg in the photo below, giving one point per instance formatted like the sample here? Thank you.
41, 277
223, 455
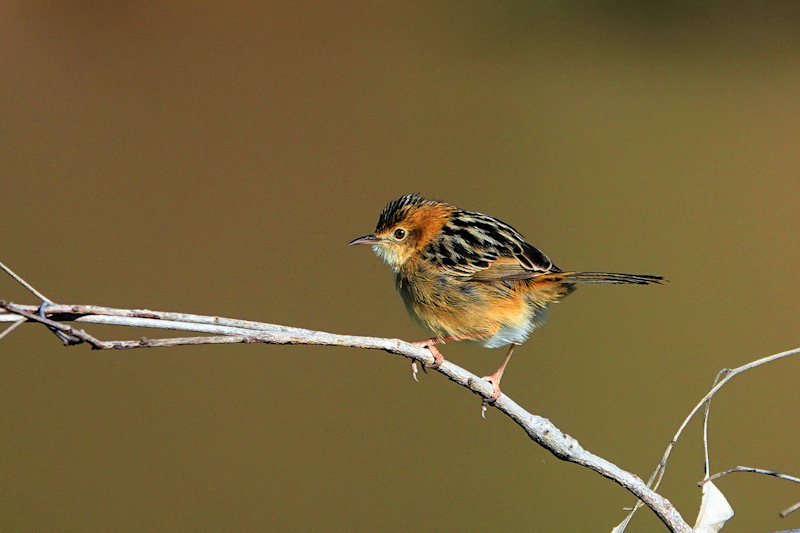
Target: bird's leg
438, 358
494, 379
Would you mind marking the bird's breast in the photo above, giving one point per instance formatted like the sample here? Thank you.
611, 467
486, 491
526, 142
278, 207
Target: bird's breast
452, 306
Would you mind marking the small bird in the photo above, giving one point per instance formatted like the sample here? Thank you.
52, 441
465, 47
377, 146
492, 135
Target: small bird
468, 276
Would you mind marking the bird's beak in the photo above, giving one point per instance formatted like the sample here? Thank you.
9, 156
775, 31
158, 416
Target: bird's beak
366, 239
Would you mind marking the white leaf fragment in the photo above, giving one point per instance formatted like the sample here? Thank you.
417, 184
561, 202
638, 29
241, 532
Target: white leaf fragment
714, 510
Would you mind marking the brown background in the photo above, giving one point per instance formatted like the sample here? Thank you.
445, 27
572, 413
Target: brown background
216, 158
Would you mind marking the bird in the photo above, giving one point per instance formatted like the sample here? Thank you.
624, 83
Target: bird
463, 275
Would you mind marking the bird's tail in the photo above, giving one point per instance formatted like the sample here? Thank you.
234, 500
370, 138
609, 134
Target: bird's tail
608, 277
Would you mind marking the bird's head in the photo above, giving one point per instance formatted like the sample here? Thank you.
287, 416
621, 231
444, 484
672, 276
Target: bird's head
405, 227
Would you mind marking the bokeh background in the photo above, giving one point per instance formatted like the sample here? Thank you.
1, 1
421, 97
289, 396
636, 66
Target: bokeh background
216, 158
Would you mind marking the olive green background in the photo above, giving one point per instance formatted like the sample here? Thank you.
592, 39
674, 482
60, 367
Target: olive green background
216, 158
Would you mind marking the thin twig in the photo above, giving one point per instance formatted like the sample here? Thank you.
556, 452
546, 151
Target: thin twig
785, 512
706, 414
24, 283
14, 325
753, 471
790, 510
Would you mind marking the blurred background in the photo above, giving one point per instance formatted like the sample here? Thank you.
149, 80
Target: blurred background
217, 157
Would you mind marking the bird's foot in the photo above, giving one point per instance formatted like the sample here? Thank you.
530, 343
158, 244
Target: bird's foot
438, 358
494, 381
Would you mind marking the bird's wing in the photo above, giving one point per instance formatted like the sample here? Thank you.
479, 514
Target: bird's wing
528, 264
478, 247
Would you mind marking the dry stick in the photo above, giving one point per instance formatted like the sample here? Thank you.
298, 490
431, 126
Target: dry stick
541, 430
52, 324
730, 374
706, 413
790, 510
708, 477
662, 465
752, 470
24, 283
785, 512
67, 340
14, 325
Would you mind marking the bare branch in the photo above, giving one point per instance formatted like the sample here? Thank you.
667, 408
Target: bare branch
226, 330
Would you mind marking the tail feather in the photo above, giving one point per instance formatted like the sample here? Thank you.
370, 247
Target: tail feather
610, 277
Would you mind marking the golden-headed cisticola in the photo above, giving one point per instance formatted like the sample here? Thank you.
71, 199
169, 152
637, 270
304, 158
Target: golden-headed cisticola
468, 276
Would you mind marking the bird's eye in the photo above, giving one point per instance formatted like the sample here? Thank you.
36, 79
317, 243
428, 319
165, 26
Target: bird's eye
399, 234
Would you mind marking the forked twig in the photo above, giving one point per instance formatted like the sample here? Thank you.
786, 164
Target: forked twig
658, 473
729, 374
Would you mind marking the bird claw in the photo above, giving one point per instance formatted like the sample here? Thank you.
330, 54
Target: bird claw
414, 371
496, 393
438, 358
